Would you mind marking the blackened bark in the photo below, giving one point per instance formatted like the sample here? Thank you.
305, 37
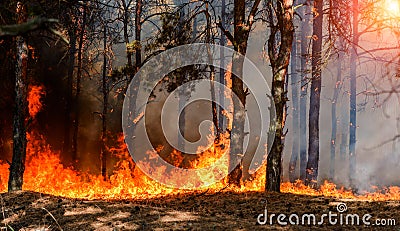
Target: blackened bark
241, 36
295, 113
315, 97
17, 167
78, 86
67, 147
212, 79
104, 153
138, 31
125, 22
279, 54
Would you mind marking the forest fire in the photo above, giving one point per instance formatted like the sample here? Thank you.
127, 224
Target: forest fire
46, 174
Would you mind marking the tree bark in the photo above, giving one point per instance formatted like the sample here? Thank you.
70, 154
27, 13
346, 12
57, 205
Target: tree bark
305, 30
138, 31
214, 109
295, 113
67, 146
125, 22
78, 86
17, 167
221, 117
279, 55
334, 118
353, 96
104, 153
315, 97
241, 36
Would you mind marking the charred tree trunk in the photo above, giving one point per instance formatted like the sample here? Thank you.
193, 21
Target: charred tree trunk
305, 30
138, 62
353, 96
315, 97
78, 86
138, 32
125, 22
17, 167
104, 153
241, 36
295, 114
279, 54
212, 79
67, 147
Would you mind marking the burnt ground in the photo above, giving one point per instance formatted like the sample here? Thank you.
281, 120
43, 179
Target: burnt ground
205, 211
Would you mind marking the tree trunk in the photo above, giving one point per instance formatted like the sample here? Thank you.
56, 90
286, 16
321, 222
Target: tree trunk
241, 36
125, 22
334, 121
78, 87
344, 126
315, 97
17, 167
68, 101
279, 59
103, 155
221, 117
182, 74
138, 31
353, 95
295, 114
305, 30
212, 79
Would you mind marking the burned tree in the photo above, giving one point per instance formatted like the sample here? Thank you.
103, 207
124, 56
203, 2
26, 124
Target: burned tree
280, 19
239, 39
315, 96
17, 167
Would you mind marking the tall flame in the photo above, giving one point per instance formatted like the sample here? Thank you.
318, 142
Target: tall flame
34, 100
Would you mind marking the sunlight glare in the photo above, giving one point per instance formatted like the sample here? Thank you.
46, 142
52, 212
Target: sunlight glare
393, 7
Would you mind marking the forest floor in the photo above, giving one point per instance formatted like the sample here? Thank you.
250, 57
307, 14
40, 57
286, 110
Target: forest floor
219, 211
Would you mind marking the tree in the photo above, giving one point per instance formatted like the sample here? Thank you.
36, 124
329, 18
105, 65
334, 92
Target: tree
82, 32
353, 94
315, 96
222, 71
242, 27
304, 60
280, 19
17, 167
294, 77
72, 34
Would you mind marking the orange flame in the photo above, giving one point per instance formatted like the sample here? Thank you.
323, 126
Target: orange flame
34, 100
45, 174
